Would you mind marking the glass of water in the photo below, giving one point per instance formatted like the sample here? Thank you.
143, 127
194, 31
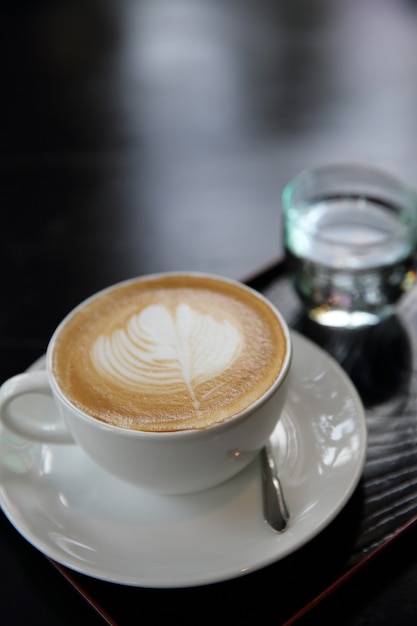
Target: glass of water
350, 240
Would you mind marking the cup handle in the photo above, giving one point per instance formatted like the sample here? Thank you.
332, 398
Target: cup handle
43, 428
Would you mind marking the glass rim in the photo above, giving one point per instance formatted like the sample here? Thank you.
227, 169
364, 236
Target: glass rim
389, 182
394, 193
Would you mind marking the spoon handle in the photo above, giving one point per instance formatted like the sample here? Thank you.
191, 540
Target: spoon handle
274, 506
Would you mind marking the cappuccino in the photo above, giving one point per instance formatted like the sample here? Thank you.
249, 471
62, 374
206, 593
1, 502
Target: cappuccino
169, 352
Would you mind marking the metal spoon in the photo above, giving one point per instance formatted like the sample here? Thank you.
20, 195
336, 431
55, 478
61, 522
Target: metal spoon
274, 506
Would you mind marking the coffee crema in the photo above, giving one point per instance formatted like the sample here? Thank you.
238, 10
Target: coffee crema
168, 352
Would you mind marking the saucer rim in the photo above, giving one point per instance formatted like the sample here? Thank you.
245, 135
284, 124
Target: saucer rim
278, 550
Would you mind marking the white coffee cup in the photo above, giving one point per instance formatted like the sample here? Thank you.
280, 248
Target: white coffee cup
173, 382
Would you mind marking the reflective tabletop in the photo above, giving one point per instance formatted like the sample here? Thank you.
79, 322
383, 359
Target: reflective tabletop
146, 135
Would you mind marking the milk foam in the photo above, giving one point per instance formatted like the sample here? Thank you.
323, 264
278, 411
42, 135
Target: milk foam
171, 352
163, 352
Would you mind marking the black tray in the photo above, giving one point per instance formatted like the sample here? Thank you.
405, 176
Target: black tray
381, 362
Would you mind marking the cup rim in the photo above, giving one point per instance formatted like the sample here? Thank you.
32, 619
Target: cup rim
211, 430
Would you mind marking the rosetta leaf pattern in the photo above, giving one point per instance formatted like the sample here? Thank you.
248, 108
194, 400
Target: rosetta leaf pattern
159, 351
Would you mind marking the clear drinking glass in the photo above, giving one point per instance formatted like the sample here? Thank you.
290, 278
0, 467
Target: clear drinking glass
350, 239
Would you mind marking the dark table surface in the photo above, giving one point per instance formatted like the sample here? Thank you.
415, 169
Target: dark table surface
145, 135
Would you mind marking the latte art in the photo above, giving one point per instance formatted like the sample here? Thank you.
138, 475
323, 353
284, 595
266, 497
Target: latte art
168, 352
161, 352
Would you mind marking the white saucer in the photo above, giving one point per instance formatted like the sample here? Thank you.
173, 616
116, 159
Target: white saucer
80, 516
